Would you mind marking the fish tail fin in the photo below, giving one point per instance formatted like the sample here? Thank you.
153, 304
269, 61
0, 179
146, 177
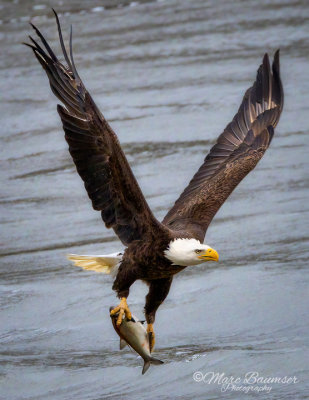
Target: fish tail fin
155, 361
146, 366
106, 264
151, 360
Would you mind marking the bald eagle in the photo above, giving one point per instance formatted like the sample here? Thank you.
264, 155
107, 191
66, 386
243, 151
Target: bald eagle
155, 251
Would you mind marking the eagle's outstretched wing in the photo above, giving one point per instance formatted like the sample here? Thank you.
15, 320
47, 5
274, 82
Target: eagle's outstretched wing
95, 149
236, 153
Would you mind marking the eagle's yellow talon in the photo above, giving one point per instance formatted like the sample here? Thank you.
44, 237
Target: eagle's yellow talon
121, 309
151, 337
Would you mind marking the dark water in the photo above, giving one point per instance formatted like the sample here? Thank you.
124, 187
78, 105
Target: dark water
169, 76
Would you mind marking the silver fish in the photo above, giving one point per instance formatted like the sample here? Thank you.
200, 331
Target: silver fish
133, 333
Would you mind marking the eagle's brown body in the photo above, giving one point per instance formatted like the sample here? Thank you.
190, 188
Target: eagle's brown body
144, 259
114, 191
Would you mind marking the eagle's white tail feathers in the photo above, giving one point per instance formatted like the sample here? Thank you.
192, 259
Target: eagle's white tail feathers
106, 264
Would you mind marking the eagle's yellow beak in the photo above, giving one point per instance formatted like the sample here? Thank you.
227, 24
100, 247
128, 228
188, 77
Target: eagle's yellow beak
209, 255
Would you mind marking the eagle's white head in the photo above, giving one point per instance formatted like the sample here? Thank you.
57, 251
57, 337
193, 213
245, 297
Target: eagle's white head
187, 252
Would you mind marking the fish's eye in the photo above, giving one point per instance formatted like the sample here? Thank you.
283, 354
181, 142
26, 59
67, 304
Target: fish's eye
197, 251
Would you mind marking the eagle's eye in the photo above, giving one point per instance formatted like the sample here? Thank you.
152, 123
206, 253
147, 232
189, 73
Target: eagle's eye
198, 251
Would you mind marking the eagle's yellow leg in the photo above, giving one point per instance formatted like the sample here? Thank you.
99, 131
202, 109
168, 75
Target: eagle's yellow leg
151, 337
121, 309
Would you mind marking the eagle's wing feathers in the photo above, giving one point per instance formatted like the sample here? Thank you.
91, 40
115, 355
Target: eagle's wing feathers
237, 151
95, 149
